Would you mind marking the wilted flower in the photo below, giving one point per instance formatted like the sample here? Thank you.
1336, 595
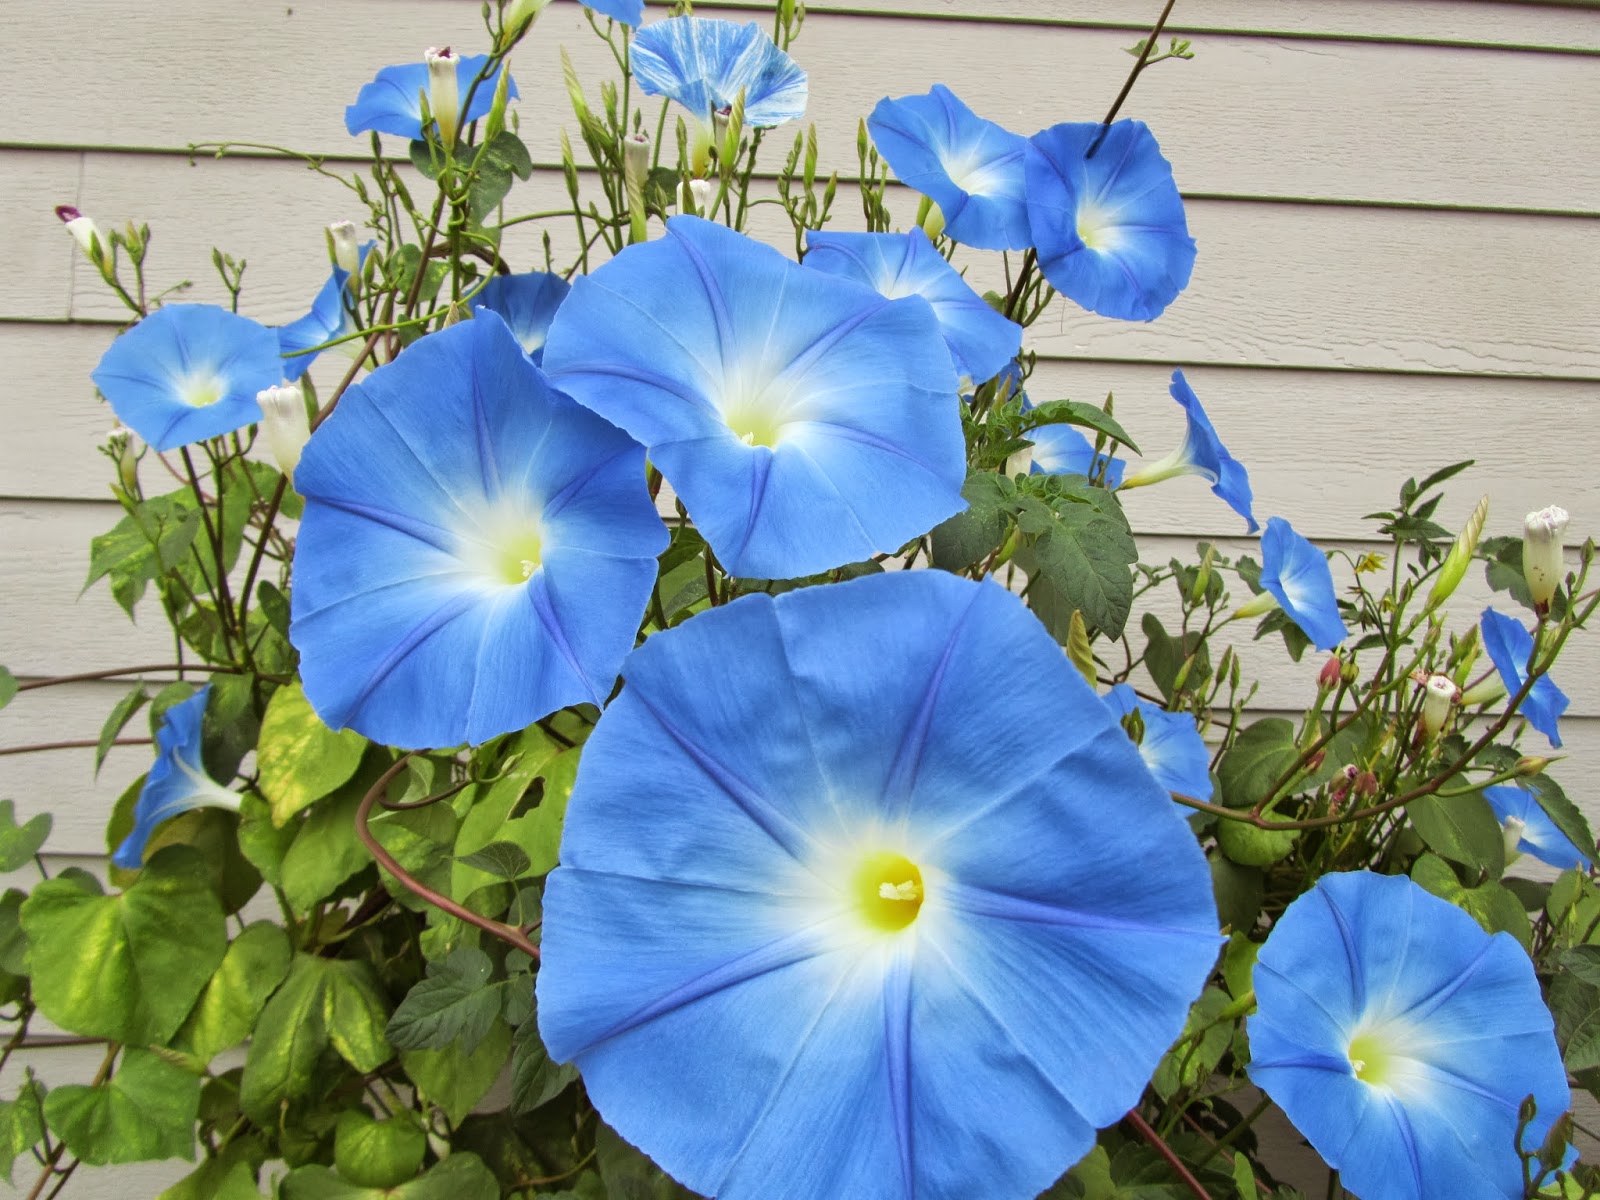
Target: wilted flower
476, 550
704, 64
1400, 1039
866, 912
1542, 561
391, 103
1201, 453
527, 304
804, 420
1529, 829
1171, 745
176, 783
1510, 646
1439, 695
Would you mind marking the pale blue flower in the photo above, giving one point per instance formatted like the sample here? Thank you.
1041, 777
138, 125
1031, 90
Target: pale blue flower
1064, 450
1510, 646
704, 64
188, 372
1400, 1039
1171, 746
1529, 829
1201, 453
391, 102
1110, 230
805, 421
971, 168
628, 12
981, 341
332, 316
476, 551
1295, 574
527, 304
176, 783
831, 921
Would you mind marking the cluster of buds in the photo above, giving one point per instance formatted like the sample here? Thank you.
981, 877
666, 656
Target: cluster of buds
1352, 781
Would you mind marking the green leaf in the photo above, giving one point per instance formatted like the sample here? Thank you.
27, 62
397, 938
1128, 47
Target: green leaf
325, 852
1083, 550
503, 157
1492, 905
1250, 846
230, 729
1244, 1178
503, 860
121, 714
1076, 412
454, 1001
1563, 813
146, 1111
1165, 655
19, 843
462, 1176
13, 942
146, 544
1196, 1054
289, 1038
455, 1080
377, 1154
263, 844
535, 1078
1239, 892
356, 1012
1462, 829
225, 1177
128, 967
1584, 962
976, 532
20, 1126
255, 964
300, 759
1261, 755
8, 687
1575, 1004
539, 832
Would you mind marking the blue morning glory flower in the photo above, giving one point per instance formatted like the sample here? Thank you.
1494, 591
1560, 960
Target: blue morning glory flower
804, 420
1400, 1039
866, 911
176, 783
390, 102
981, 341
476, 550
1201, 453
1510, 646
330, 317
628, 12
188, 372
1172, 747
1110, 230
527, 304
1295, 574
971, 168
704, 64
1529, 829
1063, 450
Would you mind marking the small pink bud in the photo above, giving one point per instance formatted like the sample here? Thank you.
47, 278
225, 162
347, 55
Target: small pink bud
1332, 671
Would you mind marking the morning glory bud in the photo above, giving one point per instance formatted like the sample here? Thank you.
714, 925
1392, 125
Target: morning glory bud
635, 170
521, 13
1332, 672
344, 247
1440, 694
1487, 692
94, 244
1542, 562
119, 449
444, 93
1459, 558
284, 421
697, 198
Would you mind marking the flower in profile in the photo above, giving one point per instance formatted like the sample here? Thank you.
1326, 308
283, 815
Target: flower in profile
971, 168
804, 420
1400, 1038
188, 372
332, 316
1510, 647
527, 304
391, 102
176, 783
1064, 450
1170, 745
1529, 829
476, 550
861, 906
1110, 229
704, 64
981, 341
628, 12
1295, 577
1201, 453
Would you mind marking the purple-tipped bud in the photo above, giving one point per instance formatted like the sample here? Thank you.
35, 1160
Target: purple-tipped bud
94, 244
444, 92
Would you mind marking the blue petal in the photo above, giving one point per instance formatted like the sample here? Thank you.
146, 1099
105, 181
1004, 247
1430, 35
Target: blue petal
1458, 1013
188, 372
422, 490
849, 400
527, 303
1540, 837
1110, 230
390, 104
1208, 457
1172, 746
176, 783
330, 317
629, 12
1510, 646
703, 951
981, 341
1063, 450
971, 168
704, 64
1297, 574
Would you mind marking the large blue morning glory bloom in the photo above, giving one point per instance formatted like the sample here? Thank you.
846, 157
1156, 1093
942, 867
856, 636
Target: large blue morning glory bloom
971, 168
331, 316
704, 64
1064, 450
1201, 453
865, 912
981, 341
1110, 230
527, 304
1295, 574
1529, 829
1171, 747
188, 372
804, 420
1510, 646
390, 102
1400, 1039
476, 550
176, 783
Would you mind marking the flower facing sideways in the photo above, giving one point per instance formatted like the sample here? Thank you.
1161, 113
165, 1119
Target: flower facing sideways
866, 916
1510, 646
527, 303
1171, 745
391, 103
1295, 577
176, 783
1400, 1039
1529, 829
704, 64
1200, 453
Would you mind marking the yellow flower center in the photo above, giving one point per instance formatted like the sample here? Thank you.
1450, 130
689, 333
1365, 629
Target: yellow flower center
201, 391
1096, 229
1371, 1060
754, 424
888, 890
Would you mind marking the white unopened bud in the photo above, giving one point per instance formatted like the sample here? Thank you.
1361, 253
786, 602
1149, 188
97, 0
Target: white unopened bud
522, 12
284, 421
636, 159
1542, 562
697, 198
1440, 694
444, 92
120, 450
344, 246
94, 244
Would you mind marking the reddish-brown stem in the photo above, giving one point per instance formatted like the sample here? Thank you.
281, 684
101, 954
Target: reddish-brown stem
1185, 1176
84, 676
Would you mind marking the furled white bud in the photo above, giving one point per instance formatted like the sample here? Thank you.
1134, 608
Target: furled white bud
520, 13
444, 92
1542, 562
344, 246
697, 198
94, 244
119, 448
1440, 694
635, 172
284, 421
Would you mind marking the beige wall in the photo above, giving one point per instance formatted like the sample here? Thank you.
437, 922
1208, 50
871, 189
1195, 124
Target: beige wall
1397, 204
